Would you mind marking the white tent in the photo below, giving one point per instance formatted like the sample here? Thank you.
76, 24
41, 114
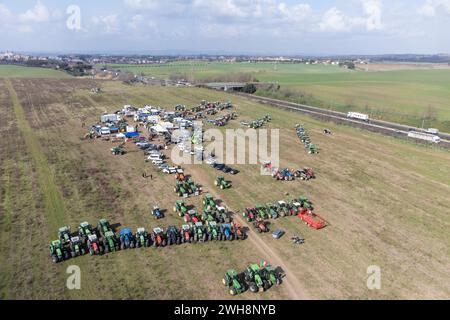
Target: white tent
159, 129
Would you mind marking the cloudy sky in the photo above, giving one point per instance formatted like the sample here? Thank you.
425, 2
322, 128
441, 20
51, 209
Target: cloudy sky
227, 26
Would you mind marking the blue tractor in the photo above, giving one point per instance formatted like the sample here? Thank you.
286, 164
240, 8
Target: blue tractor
156, 212
126, 239
226, 230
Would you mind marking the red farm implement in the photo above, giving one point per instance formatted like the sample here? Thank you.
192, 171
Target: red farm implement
312, 219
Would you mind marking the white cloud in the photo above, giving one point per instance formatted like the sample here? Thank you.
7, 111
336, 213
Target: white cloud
335, 20
109, 23
431, 7
39, 13
25, 29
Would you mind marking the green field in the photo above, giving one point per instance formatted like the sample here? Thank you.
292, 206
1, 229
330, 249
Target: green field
386, 200
9, 71
404, 96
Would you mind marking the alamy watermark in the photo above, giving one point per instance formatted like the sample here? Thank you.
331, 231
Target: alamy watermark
374, 279
73, 21
73, 281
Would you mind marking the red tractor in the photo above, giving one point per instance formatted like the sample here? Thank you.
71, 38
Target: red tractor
250, 214
191, 216
186, 233
238, 231
261, 225
312, 219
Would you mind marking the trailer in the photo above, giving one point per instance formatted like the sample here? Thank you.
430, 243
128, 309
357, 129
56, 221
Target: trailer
357, 115
312, 219
433, 131
110, 118
424, 136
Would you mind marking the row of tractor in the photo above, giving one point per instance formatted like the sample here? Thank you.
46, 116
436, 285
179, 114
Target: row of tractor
258, 123
302, 207
102, 239
223, 120
256, 278
287, 174
303, 135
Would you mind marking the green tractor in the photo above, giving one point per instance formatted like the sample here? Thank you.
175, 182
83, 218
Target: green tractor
283, 208
64, 235
209, 216
76, 247
142, 238
103, 226
262, 211
254, 280
312, 148
200, 232
180, 208
192, 187
272, 210
117, 151
110, 242
222, 215
213, 231
181, 188
209, 202
84, 231
222, 183
270, 274
305, 203
232, 281
58, 252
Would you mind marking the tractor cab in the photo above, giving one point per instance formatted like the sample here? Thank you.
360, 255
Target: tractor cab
156, 212
140, 231
158, 230
64, 234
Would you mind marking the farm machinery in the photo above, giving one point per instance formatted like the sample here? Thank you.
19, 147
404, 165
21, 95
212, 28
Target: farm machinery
58, 252
94, 246
227, 232
85, 230
157, 213
254, 280
209, 202
312, 219
262, 211
142, 238
250, 214
191, 216
180, 208
158, 237
64, 235
302, 134
283, 174
214, 231
304, 174
260, 225
103, 226
270, 274
186, 188
272, 210
238, 231
187, 233
76, 247
118, 150
127, 239
173, 235
284, 209
200, 232
232, 280
222, 183
110, 242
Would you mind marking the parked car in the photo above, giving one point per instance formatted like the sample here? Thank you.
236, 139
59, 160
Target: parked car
169, 170
277, 234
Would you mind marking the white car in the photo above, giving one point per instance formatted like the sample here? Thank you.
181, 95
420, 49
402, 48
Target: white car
211, 161
169, 170
157, 162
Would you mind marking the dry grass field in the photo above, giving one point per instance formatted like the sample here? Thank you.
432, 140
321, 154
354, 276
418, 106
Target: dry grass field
387, 202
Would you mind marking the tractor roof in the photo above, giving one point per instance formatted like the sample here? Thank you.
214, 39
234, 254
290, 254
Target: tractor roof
109, 234
125, 231
185, 227
281, 202
64, 229
199, 224
140, 230
157, 230
155, 207
192, 212
92, 237
180, 202
232, 272
103, 221
296, 204
84, 224
56, 242
212, 224
74, 239
209, 196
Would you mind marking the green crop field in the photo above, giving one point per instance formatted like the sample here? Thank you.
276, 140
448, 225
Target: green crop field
9, 71
419, 96
386, 201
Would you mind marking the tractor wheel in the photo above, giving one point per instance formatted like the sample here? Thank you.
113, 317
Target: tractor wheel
253, 287
66, 255
83, 252
169, 242
224, 281
163, 244
205, 237
233, 291
221, 186
106, 249
174, 209
266, 285
55, 259
178, 240
278, 281
132, 245
73, 254
215, 183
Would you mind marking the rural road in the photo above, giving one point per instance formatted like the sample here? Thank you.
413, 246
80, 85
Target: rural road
290, 282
